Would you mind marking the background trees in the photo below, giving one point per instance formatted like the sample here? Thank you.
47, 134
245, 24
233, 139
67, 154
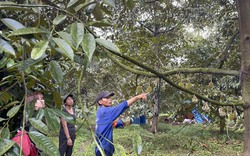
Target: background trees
185, 47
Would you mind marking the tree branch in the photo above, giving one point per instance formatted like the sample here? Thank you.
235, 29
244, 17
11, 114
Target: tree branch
160, 75
177, 71
228, 45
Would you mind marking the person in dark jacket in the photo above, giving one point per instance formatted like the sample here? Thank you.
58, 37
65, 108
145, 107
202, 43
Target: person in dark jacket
67, 134
105, 116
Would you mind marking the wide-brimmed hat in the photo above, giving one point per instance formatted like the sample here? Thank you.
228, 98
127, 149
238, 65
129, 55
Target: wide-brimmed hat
103, 94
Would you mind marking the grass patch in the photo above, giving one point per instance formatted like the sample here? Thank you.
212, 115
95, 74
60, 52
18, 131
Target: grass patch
180, 140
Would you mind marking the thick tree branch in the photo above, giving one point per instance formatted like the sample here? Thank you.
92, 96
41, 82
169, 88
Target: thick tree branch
178, 71
160, 75
203, 70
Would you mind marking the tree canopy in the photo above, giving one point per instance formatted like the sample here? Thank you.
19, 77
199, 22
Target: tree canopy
86, 46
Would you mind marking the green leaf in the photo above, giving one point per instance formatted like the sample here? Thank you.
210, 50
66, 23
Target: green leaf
34, 77
67, 37
13, 111
4, 83
52, 120
10, 63
39, 49
30, 107
77, 32
6, 97
5, 133
64, 46
2, 119
5, 145
106, 9
40, 114
26, 31
90, 8
29, 62
12, 24
39, 125
14, 151
137, 144
102, 23
71, 2
59, 19
89, 45
64, 115
56, 71
97, 13
3, 62
14, 8
107, 44
110, 3
6, 78
83, 5
44, 143
5, 46
13, 103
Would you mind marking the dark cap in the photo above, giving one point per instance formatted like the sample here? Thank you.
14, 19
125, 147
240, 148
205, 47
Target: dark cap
103, 94
65, 97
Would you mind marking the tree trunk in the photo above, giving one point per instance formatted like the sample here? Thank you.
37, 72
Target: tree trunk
154, 124
243, 7
222, 124
156, 110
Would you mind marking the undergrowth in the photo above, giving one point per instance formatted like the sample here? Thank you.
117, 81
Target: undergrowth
179, 140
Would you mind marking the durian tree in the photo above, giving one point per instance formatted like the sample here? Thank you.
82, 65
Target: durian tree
44, 43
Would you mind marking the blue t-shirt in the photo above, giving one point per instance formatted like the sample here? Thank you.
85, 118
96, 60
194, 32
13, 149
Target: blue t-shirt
105, 116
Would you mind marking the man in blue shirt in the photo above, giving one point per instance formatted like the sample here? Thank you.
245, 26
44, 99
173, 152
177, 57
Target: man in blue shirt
106, 114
